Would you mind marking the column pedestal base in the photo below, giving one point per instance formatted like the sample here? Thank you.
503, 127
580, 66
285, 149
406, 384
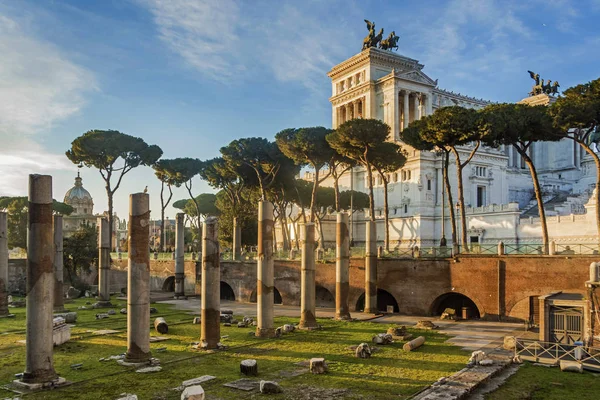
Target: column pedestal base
23, 387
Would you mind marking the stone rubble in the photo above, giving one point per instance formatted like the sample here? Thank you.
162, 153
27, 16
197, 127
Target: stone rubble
318, 365
127, 396
363, 351
382, 338
426, 324
270, 387
193, 393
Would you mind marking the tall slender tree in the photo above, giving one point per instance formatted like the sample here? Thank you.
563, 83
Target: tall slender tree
114, 154
356, 140
388, 158
167, 173
307, 146
577, 115
520, 126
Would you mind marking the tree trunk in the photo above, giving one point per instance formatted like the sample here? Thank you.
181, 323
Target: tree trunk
371, 196
461, 202
320, 224
538, 197
386, 214
162, 218
596, 193
313, 196
450, 200
110, 216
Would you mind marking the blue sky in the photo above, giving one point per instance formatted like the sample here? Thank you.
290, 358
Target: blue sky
192, 75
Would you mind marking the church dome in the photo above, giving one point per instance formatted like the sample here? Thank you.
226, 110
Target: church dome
77, 193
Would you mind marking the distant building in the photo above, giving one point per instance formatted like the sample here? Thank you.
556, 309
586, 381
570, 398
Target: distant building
83, 208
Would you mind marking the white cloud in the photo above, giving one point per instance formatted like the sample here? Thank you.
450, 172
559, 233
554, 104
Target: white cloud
220, 40
39, 86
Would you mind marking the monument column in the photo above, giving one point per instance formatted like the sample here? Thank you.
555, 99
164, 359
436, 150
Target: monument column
342, 261
3, 264
138, 280
210, 333
355, 107
429, 102
416, 107
371, 268
396, 101
349, 110
237, 240
103, 263
406, 109
59, 294
307, 277
264, 275
179, 256
39, 365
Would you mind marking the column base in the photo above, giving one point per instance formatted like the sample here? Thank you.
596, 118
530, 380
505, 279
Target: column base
133, 363
343, 317
25, 387
103, 304
371, 311
180, 296
265, 332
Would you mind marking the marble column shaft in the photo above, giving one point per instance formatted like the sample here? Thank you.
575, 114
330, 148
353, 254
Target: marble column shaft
39, 364
138, 280
3, 264
264, 265
416, 107
406, 109
59, 294
371, 268
103, 262
237, 240
342, 263
210, 331
307, 277
179, 255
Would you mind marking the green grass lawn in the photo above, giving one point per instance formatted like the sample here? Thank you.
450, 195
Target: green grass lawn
533, 382
389, 373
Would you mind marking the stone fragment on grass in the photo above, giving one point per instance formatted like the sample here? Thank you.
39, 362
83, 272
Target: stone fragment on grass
111, 312
153, 310
196, 321
193, 393
509, 342
288, 328
397, 331
426, 324
149, 369
249, 367
571, 366
127, 396
226, 324
363, 351
486, 362
382, 338
241, 325
279, 331
270, 387
318, 365
123, 311
70, 317
101, 316
73, 293
197, 381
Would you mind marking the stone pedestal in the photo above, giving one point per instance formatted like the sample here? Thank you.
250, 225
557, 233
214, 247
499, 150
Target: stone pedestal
264, 265
307, 277
210, 332
342, 263
3, 265
39, 364
138, 280
237, 241
179, 256
103, 263
371, 268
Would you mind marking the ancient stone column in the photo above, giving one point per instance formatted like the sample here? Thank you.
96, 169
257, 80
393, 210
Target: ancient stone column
39, 364
371, 268
179, 256
342, 263
307, 277
59, 294
103, 263
406, 111
237, 241
264, 275
210, 332
138, 280
3, 264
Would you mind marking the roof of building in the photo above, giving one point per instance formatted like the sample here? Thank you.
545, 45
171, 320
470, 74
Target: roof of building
77, 192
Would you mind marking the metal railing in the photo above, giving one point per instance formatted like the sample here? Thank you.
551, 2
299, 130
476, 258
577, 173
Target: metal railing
552, 353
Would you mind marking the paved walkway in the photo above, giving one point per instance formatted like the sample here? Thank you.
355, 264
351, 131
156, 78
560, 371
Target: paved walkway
470, 335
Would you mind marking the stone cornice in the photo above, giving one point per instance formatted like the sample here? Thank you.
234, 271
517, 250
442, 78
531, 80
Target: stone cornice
352, 93
460, 97
376, 56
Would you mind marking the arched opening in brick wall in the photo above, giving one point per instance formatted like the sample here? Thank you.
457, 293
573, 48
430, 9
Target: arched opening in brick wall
384, 299
276, 296
227, 292
323, 297
457, 302
169, 284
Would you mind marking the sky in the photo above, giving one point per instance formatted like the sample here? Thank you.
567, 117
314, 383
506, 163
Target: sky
193, 75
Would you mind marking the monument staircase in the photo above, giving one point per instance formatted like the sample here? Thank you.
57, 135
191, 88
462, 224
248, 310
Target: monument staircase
558, 203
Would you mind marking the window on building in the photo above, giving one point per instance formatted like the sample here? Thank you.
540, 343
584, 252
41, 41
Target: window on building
395, 177
428, 184
406, 175
480, 196
481, 171
85, 210
405, 208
